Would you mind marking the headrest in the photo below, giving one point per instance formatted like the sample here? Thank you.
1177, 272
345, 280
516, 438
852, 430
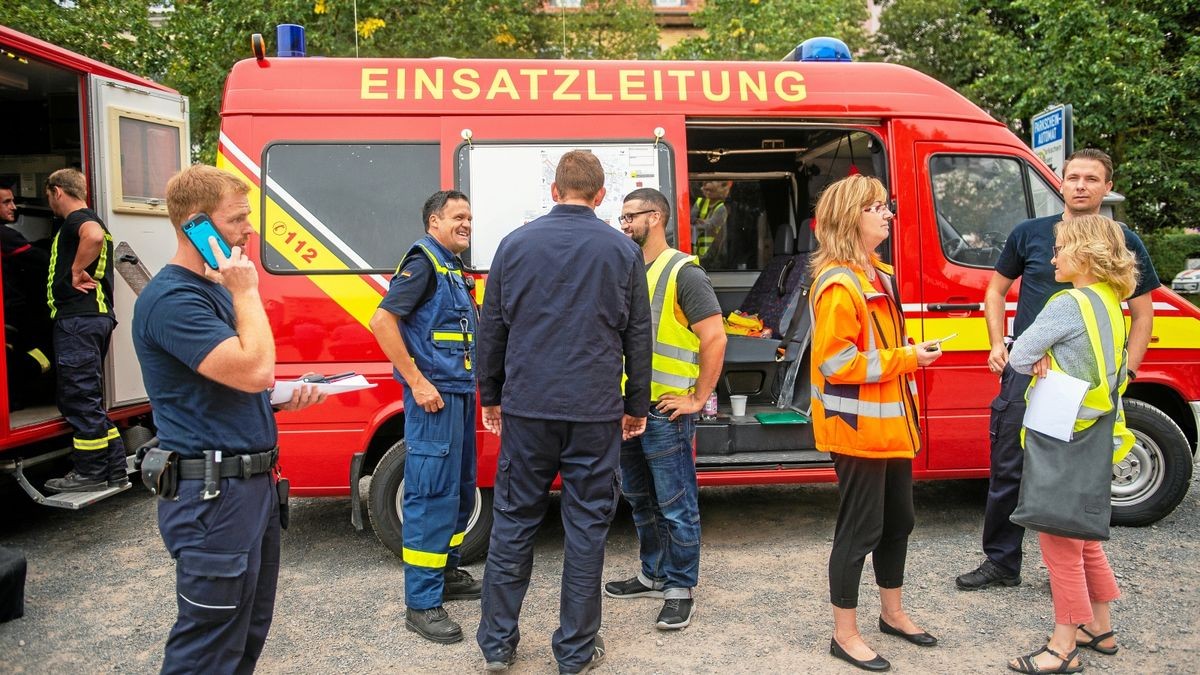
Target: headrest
806, 239
785, 241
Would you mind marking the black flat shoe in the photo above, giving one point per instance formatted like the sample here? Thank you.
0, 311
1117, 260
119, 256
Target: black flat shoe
920, 639
877, 664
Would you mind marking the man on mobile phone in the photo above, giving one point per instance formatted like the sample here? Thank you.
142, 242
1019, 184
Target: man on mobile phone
426, 326
208, 361
80, 295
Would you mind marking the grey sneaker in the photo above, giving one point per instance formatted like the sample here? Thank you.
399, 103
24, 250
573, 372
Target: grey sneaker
630, 588
597, 658
433, 624
676, 613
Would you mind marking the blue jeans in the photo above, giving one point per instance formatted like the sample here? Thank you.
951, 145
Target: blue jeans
658, 478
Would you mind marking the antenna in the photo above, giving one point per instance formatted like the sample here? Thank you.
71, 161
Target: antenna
563, 13
355, 29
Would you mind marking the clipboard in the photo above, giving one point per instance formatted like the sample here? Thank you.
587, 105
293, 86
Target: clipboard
282, 393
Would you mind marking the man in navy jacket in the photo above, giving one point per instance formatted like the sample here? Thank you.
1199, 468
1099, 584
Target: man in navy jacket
565, 312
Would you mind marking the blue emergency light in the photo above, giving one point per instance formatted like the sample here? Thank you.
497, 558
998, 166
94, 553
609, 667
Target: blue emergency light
289, 40
820, 49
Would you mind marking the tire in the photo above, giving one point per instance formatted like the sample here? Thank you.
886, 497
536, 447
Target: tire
385, 498
1153, 478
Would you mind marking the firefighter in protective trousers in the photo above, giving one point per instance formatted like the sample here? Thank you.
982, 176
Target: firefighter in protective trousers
426, 326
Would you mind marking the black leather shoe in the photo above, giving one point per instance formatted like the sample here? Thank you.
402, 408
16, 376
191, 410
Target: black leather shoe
987, 574
433, 624
73, 482
461, 586
877, 664
921, 639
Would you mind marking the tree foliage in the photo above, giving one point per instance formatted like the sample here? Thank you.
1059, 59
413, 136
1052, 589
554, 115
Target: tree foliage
766, 30
600, 29
117, 32
1130, 68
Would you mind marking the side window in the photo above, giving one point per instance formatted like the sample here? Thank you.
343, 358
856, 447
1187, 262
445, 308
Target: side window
151, 151
1046, 200
339, 207
978, 201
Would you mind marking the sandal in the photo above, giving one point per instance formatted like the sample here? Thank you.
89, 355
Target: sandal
1025, 664
1096, 640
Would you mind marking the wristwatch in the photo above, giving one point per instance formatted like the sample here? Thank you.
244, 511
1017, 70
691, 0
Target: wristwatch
1132, 374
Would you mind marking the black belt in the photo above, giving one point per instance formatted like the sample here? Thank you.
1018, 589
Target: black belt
232, 466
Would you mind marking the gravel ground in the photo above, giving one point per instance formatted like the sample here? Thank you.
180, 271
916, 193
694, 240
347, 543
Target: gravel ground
99, 596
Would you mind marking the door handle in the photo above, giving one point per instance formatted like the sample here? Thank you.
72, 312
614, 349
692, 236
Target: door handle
953, 307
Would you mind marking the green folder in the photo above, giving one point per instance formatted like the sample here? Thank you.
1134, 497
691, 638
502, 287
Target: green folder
781, 417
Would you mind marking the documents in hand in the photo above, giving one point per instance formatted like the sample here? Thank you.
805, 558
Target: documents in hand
282, 393
1054, 404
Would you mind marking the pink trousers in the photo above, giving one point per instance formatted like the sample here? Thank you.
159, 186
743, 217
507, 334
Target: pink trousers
1079, 576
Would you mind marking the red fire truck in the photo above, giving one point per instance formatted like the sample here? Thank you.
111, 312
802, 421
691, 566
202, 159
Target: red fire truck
128, 135
342, 152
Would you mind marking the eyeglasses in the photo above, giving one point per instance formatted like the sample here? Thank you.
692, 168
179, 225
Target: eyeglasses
1057, 250
627, 218
879, 207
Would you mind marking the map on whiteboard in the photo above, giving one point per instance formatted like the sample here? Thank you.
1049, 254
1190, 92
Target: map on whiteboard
510, 186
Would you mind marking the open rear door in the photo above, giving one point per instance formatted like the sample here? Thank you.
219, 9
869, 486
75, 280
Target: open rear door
140, 137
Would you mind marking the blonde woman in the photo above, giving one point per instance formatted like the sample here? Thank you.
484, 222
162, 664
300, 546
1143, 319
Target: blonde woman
1090, 254
864, 410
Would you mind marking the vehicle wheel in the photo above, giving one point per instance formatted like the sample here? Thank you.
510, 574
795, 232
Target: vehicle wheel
1153, 478
386, 497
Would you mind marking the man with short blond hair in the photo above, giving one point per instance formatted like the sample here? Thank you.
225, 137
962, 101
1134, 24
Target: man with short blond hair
80, 295
208, 361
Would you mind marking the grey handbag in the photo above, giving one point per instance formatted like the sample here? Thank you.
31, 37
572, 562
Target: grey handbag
1066, 486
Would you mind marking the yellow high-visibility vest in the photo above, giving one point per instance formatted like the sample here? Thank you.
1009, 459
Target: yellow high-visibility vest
676, 359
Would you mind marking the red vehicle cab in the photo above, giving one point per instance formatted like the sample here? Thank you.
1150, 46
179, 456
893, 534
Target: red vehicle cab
128, 135
341, 154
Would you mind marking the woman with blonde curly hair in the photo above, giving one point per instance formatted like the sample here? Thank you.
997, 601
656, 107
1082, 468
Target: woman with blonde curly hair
864, 410
1081, 332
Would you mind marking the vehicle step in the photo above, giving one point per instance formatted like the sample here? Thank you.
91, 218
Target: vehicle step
78, 500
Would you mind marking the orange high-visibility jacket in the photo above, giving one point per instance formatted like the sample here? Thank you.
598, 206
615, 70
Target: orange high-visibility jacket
864, 394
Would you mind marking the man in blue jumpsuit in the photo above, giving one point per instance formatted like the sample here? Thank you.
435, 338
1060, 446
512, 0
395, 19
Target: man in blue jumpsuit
80, 293
208, 360
566, 301
426, 326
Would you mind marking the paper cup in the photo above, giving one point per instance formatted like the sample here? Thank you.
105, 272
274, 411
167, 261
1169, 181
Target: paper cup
738, 405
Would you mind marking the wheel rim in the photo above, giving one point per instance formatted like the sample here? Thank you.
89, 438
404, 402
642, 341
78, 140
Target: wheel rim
399, 506
1140, 474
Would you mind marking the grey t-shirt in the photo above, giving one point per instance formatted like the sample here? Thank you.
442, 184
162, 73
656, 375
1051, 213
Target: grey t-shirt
695, 294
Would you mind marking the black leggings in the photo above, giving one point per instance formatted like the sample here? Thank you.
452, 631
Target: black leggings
875, 515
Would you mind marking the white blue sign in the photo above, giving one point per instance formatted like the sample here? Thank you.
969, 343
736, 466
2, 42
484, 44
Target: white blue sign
1053, 136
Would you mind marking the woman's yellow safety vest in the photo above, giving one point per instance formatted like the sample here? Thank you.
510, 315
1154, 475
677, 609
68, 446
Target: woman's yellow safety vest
1105, 324
676, 360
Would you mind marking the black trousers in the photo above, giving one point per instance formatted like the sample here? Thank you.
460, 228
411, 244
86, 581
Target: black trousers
532, 451
1001, 537
875, 515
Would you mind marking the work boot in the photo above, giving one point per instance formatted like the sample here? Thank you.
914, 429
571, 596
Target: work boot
433, 624
73, 482
987, 574
460, 585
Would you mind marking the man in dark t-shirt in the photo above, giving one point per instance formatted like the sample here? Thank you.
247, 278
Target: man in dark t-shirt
1087, 178
208, 361
658, 470
80, 295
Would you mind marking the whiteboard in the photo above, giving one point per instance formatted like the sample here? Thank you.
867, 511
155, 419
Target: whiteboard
509, 185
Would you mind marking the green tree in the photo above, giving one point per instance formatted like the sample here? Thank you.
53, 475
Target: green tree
600, 29
117, 32
766, 30
1130, 68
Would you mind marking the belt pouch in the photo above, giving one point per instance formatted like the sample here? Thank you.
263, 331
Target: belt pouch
281, 487
160, 472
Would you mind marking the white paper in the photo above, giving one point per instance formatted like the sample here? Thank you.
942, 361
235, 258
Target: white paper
285, 388
1054, 404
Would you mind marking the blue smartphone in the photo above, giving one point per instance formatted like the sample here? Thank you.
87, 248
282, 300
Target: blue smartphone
198, 231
